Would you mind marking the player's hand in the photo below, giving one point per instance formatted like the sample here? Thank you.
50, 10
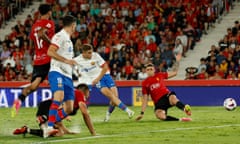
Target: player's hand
94, 134
139, 117
68, 118
95, 81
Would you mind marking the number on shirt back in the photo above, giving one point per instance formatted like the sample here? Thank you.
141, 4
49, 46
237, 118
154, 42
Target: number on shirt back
38, 41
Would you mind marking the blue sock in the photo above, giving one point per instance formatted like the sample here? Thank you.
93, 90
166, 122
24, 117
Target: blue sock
61, 114
111, 108
122, 106
53, 112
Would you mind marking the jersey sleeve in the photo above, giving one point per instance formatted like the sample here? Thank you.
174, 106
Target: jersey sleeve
144, 89
99, 59
163, 75
56, 40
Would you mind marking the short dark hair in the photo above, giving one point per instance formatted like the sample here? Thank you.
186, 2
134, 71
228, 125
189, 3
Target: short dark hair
44, 9
86, 47
148, 65
68, 20
83, 87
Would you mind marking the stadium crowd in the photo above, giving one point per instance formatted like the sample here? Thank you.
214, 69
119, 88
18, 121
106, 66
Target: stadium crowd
131, 33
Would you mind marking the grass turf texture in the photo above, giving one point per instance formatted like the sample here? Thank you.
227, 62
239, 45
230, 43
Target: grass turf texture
213, 125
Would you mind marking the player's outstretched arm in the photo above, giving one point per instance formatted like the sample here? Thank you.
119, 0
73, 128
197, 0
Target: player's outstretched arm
144, 105
175, 67
86, 117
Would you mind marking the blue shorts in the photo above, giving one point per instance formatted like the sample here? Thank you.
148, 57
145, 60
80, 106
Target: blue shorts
60, 82
106, 81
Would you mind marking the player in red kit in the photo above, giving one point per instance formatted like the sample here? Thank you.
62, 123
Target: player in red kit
81, 94
161, 96
41, 33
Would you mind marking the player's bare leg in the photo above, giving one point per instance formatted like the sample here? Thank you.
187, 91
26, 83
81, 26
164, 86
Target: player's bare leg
176, 102
162, 115
111, 106
116, 101
25, 92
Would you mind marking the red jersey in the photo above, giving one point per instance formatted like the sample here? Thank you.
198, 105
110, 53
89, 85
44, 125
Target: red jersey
155, 86
40, 45
79, 97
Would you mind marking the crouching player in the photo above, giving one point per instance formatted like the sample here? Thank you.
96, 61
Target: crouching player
81, 94
162, 97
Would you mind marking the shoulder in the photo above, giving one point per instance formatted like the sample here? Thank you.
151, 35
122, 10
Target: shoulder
162, 74
79, 57
145, 81
59, 35
79, 96
95, 54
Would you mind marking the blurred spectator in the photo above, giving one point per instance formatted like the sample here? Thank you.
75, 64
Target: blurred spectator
128, 68
191, 73
202, 65
168, 56
142, 74
28, 23
5, 54
231, 75
148, 36
115, 61
178, 48
157, 59
9, 73
223, 66
29, 69
218, 73
211, 68
133, 75
202, 74
184, 41
9, 61
223, 43
152, 46
220, 57
17, 54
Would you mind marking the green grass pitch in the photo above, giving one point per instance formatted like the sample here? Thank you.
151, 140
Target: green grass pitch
210, 125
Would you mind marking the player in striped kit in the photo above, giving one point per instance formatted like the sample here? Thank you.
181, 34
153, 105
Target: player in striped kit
60, 73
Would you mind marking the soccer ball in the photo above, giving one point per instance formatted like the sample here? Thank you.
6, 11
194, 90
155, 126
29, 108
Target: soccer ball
229, 104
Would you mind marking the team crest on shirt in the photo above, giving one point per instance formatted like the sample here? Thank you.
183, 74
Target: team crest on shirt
48, 25
92, 63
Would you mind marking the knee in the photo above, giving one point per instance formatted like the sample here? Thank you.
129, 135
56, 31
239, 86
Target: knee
160, 115
173, 100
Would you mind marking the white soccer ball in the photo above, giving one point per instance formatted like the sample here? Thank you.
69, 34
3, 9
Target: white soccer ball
229, 104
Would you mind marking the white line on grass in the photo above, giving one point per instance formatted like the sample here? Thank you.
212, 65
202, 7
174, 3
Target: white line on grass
137, 133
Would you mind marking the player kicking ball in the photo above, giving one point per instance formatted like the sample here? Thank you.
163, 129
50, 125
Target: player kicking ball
81, 94
90, 65
162, 97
